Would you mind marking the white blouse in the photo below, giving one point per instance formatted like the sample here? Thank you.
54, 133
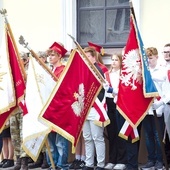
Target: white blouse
114, 80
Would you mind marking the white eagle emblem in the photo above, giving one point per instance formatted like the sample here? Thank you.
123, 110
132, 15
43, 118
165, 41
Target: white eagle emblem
78, 105
131, 71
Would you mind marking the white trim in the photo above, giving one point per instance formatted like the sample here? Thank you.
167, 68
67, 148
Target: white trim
70, 22
1, 22
137, 6
64, 19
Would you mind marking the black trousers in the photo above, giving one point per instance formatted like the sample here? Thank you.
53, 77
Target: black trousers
167, 148
0, 142
117, 148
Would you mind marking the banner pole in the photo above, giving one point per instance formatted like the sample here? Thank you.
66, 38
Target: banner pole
8, 27
50, 155
92, 65
22, 42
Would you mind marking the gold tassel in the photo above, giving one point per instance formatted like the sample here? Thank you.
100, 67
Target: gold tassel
102, 51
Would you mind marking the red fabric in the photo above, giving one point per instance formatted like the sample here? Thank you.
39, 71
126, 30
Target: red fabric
127, 131
131, 102
130, 132
158, 98
59, 109
58, 48
18, 80
103, 67
95, 46
102, 118
99, 111
23, 107
169, 75
108, 78
4, 118
58, 71
16, 71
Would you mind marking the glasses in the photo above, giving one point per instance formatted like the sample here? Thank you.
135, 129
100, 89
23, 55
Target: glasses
166, 52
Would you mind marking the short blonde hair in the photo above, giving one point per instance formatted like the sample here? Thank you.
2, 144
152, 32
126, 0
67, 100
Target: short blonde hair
151, 51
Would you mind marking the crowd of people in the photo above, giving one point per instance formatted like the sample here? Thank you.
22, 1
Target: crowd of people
91, 148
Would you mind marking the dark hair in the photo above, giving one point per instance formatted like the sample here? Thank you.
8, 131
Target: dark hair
167, 45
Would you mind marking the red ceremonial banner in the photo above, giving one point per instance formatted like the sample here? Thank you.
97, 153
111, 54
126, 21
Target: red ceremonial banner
16, 70
74, 94
132, 103
18, 80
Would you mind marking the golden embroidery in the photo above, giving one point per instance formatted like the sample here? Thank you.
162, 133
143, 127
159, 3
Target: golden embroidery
1, 77
40, 78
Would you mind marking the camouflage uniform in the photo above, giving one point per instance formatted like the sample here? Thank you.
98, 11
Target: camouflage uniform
16, 134
16, 131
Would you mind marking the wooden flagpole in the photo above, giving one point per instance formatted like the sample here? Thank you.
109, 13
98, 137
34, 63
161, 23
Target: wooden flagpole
92, 65
4, 12
50, 155
22, 42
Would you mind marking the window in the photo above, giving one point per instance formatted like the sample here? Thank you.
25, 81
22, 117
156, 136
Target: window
105, 22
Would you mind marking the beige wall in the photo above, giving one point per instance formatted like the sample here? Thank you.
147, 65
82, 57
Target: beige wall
154, 23
41, 22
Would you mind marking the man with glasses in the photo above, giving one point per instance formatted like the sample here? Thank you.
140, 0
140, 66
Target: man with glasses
166, 55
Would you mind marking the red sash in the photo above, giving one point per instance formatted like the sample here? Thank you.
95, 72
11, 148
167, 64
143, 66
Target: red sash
108, 78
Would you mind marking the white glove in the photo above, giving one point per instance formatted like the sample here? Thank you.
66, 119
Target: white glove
106, 85
115, 91
157, 104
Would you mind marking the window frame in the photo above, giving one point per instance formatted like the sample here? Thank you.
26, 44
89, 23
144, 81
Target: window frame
105, 8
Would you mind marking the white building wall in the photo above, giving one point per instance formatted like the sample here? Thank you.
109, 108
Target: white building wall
42, 22
154, 24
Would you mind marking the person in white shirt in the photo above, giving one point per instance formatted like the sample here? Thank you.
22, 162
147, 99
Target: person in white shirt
92, 132
153, 143
166, 87
116, 144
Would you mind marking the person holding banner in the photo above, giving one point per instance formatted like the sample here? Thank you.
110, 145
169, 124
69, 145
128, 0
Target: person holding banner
42, 159
100, 51
92, 133
16, 122
58, 144
153, 142
126, 151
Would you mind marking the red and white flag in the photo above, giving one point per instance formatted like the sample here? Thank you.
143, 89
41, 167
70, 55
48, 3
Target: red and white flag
12, 85
7, 90
73, 96
38, 88
136, 87
102, 118
127, 130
